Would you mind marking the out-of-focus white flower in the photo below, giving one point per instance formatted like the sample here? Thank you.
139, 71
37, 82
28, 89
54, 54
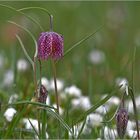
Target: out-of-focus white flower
114, 101
131, 125
13, 98
97, 57
123, 84
22, 65
82, 102
61, 111
48, 101
8, 78
35, 125
1, 61
132, 134
60, 84
45, 83
94, 119
9, 114
130, 104
110, 133
33, 122
103, 109
73, 91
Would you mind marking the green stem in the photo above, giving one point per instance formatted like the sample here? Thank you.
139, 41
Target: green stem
35, 79
18, 11
56, 93
44, 119
55, 84
135, 111
40, 8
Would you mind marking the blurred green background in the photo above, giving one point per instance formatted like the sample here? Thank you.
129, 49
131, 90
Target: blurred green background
116, 40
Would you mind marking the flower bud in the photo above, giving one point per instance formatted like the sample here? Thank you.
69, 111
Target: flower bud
50, 45
42, 94
121, 122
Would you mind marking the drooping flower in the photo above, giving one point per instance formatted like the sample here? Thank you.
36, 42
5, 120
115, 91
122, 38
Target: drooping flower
121, 122
43, 93
50, 45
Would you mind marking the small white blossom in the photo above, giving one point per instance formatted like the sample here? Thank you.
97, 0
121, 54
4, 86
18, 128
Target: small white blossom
132, 134
22, 65
60, 84
9, 114
13, 98
123, 84
1, 61
114, 101
131, 125
94, 119
110, 133
97, 57
82, 102
103, 109
73, 91
61, 111
45, 82
8, 78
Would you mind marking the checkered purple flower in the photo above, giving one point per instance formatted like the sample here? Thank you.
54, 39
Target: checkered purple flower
50, 45
121, 121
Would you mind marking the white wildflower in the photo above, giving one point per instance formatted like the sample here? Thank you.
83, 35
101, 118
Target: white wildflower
123, 84
94, 119
1, 61
97, 57
45, 83
8, 78
60, 84
132, 134
9, 114
131, 125
110, 133
103, 109
114, 101
61, 111
22, 65
82, 102
73, 91
13, 98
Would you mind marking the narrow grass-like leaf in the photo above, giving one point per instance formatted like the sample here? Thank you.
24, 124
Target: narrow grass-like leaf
33, 103
82, 40
81, 129
39, 8
44, 119
32, 36
25, 52
33, 128
42, 9
29, 17
58, 117
14, 122
93, 108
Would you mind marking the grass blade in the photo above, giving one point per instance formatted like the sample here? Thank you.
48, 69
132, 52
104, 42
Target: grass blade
14, 123
93, 108
32, 36
62, 122
82, 40
29, 17
25, 52
33, 103
33, 128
